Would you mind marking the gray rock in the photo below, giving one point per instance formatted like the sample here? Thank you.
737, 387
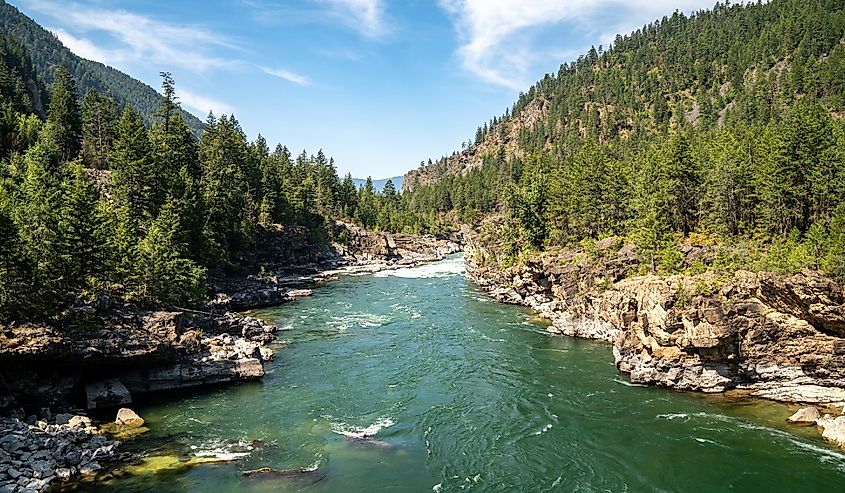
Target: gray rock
63, 419
63, 473
12, 443
805, 416
13, 473
90, 469
107, 393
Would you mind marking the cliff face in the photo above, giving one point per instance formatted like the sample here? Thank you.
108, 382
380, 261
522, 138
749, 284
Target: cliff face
778, 337
104, 354
503, 137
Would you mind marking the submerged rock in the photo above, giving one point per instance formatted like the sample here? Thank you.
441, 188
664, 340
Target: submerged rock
305, 477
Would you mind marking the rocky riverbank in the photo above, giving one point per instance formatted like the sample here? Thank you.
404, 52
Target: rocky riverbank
285, 276
104, 354
767, 335
38, 456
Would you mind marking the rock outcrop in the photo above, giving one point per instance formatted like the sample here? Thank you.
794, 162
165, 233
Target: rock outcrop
778, 337
109, 352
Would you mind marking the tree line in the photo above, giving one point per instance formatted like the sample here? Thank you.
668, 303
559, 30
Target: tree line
93, 201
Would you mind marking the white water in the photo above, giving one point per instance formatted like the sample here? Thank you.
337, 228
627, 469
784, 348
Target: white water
445, 268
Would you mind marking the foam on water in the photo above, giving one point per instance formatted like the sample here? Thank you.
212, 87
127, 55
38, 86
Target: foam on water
360, 319
362, 432
444, 268
627, 383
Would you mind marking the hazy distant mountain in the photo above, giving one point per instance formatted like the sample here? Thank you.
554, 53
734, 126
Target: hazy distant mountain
379, 184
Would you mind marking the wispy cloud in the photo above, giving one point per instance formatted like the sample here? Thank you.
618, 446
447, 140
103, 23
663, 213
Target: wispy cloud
367, 17
496, 35
287, 75
135, 37
201, 104
85, 48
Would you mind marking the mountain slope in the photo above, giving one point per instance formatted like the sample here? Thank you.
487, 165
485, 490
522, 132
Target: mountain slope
48, 52
732, 64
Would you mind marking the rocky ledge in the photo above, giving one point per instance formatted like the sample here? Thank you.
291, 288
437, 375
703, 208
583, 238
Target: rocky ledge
773, 336
103, 354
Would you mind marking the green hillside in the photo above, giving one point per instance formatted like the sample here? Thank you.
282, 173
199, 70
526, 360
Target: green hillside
726, 124
48, 53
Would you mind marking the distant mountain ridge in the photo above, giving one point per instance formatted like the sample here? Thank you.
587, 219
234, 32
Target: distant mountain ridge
48, 52
378, 185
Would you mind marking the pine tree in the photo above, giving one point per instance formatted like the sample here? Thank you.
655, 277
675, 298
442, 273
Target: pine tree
165, 272
18, 294
223, 151
64, 123
99, 122
134, 175
79, 241
38, 218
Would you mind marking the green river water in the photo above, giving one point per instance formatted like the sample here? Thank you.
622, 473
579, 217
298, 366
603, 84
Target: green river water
463, 394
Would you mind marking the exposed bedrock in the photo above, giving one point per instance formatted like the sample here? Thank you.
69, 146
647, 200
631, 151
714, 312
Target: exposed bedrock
779, 337
103, 354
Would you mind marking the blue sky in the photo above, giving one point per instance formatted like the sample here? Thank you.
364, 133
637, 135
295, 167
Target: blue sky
380, 85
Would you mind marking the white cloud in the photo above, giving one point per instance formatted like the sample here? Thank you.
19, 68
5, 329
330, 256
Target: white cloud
202, 105
365, 16
135, 37
288, 76
84, 47
496, 35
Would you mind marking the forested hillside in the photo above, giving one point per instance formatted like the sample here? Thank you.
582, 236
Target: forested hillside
48, 53
93, 202
724, 127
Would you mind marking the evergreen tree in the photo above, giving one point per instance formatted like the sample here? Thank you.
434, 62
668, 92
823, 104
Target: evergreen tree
164, 272
80, 244
99, 125
134, 174
64, 123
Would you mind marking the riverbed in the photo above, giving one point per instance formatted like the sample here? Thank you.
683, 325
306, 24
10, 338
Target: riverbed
413, 380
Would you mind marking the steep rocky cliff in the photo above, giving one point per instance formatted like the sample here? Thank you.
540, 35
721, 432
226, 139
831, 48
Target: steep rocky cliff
503, 138
774, 336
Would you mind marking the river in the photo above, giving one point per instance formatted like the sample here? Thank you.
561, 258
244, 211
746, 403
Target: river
459, 393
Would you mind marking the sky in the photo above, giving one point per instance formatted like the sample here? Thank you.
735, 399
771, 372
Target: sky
380, 85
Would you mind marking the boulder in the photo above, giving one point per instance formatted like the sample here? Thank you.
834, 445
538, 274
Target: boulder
833, 429
128, 418
79, 422
805, 416
107, 393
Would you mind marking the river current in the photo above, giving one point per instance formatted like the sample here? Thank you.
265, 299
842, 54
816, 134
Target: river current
413, 380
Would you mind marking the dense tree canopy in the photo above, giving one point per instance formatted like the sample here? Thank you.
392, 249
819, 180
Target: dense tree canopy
94, 201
